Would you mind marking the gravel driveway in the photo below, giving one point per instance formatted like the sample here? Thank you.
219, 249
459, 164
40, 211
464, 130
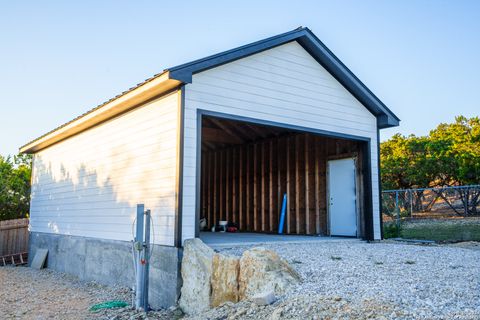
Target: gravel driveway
392, 280
342, 280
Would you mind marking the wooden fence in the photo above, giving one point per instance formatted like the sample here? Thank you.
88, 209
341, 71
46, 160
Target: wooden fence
13, 236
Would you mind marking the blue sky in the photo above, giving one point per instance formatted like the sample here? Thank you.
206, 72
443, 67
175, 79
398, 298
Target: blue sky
60, 59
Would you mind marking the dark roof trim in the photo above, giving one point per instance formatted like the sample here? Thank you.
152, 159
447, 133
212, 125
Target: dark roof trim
306, 38
185, 71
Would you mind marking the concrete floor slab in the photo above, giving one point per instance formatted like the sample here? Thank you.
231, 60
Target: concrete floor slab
223, 239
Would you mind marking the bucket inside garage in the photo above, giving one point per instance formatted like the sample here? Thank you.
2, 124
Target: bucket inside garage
246, 169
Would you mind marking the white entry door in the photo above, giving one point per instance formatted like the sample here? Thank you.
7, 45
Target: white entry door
342, 197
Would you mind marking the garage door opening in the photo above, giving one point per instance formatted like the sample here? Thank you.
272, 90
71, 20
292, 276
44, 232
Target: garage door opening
247, 168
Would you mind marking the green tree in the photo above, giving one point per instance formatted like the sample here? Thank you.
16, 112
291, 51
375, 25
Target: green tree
448, 156
456, 148
405, 162
15, 186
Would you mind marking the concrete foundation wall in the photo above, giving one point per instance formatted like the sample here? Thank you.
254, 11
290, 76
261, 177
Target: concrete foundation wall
110, 262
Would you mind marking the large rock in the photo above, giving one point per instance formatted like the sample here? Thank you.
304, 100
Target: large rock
211, 279
224, 279
262, 270
196, 275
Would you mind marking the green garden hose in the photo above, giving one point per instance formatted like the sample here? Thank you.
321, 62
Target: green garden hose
108, 305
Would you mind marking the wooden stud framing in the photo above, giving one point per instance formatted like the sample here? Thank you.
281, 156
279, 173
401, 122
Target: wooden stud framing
221, 188
255, 187
245, 183
307, 186
271, 203
289, 185
297, 184
210, 190
215, 189
248, 212
228, 196
234, 185
204, 191
241, 213
263, 190
280, 189
317, 185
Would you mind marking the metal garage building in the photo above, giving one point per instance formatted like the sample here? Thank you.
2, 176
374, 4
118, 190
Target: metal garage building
220, 138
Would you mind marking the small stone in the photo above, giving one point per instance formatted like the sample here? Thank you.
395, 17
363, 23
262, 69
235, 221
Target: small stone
276, 314
240, 312
264, 299
178, 313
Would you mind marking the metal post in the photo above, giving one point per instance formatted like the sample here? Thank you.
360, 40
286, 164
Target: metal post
411, 203
397, 208
147, 259
139, 246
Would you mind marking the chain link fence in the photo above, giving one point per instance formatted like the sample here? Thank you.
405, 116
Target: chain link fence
435, 214
444, 202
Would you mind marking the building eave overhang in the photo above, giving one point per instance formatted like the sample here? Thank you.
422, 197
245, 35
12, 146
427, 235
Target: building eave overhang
134, 97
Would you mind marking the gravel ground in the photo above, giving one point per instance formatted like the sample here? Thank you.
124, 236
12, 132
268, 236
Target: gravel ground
44, 294
341, 280
393, 280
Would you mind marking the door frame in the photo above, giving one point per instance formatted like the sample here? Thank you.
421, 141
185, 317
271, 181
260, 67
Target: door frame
357, 183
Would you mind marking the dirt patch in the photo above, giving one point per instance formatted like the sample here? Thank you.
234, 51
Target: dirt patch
472, 245
44, 294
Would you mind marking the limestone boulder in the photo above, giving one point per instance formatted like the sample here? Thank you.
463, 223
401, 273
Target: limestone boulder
225, 270
262, 270
196, 275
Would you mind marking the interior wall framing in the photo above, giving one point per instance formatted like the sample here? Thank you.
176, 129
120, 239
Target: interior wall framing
245, 183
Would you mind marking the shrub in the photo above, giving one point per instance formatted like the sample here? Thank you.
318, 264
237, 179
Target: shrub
15, 186
391, 230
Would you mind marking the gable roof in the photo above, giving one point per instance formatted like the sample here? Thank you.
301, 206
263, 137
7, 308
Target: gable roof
313, 45
174, 77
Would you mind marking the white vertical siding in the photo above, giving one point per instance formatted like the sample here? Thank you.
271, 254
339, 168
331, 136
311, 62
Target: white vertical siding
89, 185
284, 85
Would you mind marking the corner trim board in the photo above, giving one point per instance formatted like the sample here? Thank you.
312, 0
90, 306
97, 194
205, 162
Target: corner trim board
179, 182
198, 174
379, 185
367, 166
